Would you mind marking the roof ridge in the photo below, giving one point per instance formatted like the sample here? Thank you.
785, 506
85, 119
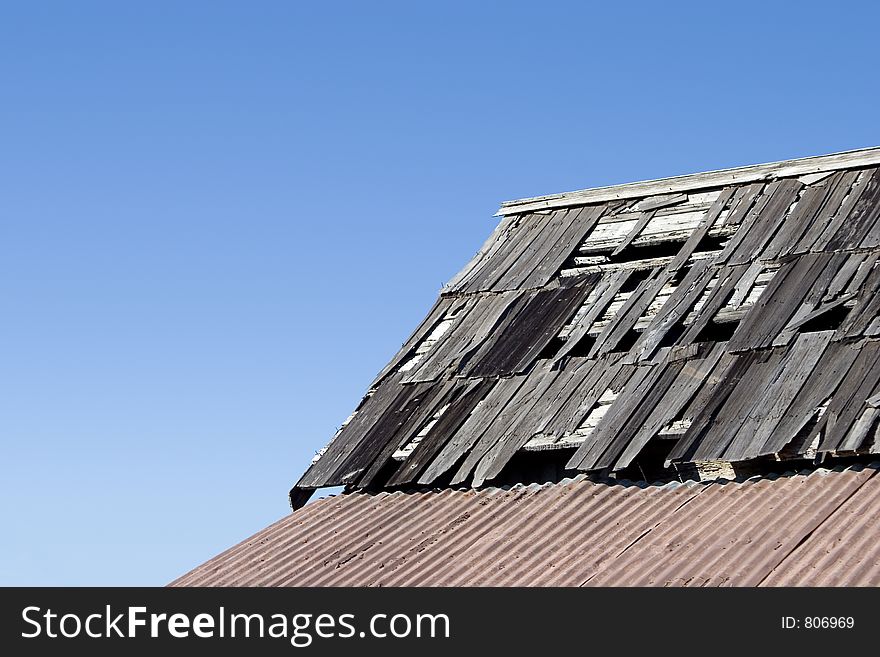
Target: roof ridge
698, 180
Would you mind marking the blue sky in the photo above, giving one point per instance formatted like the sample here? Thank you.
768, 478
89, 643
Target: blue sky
219, 220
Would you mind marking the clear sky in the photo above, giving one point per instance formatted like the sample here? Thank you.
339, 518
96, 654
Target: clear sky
219, 220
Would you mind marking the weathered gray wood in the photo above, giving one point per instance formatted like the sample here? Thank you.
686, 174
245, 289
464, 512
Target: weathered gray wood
537, 250
680, 302
657, 202
582, 222
708, 402
500, 423
490, 247
784, 294
438, 310
607, 288
848, 201
770, 404
634, 232
724, 288
703, 228
324, 471
532, 324
472, 429
866, 309
849, 400
691, 377
467, 395
628, 413
765, 224
629, 314
606, 372
517, 433
395, 431
858, 222
523, 234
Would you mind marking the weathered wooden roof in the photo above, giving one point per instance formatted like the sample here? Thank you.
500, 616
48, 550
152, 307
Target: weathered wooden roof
728, 316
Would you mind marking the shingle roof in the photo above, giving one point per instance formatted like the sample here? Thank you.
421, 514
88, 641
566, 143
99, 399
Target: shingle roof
728, 316
815, 528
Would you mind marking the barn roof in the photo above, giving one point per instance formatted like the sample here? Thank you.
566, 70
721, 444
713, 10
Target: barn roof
662, 327
702, 332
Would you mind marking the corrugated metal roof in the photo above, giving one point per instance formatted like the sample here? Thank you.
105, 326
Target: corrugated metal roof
801, 529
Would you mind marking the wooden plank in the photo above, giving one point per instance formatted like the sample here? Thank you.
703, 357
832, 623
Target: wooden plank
747, 392
467, 395
634, 231
709, 401
848, 401
522, 232
724, 288
657, 202
394, 430
617, 427
536, 251
438, 359
752, 239
840, 283
784, 294
705, 225
608, 287
606, 372
572, 373
581, 222
533, 324
866, 309
494, 431
472, 429
679, 304
438, 310
847, 204
832, 367
815, 208
629, 314
743, 203
325, 471
865, 212
490, 247
784, 385
691, 378
517, 433
842, 184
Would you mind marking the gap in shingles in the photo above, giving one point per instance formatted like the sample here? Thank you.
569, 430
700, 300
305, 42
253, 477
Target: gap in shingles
673, 334
648, 465
666, 249
627, 341
536, 467
552, 348
711, 243
635, 279
583, 346
827, 321
717, 332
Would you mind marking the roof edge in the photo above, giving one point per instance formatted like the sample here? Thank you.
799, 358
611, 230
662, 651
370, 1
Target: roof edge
691, 181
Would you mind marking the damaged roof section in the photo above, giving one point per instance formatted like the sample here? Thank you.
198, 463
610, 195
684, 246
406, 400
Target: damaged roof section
727, 316
809, 529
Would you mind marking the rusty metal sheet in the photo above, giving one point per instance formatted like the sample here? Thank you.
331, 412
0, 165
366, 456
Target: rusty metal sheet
809, 528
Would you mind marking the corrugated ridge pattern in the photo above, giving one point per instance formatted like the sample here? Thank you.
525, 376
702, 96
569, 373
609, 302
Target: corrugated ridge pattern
810, 528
